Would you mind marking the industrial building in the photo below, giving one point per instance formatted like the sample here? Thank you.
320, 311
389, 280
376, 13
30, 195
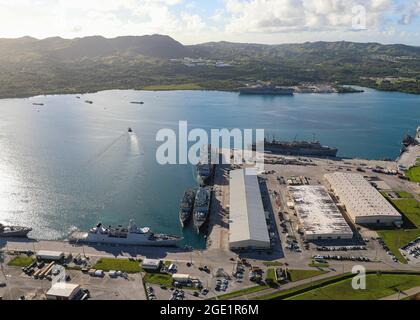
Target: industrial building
319, 216
64, 291
247, 224
363, 202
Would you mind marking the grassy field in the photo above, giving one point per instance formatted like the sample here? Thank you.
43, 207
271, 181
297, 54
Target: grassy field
405, 195
21, 261
377, 286
319, 265
271, 275
297, 275
125, 265
273, 263
413, 174
168, 87
242, 292
395, 239
159, 279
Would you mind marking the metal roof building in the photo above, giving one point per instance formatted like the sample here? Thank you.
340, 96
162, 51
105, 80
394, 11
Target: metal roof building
247, 225
318, 214
363, 202
63, 291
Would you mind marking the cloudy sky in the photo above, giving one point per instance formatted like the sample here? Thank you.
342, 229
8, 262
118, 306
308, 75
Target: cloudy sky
196, 21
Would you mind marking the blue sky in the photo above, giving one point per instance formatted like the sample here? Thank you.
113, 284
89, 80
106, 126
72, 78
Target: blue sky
196, 21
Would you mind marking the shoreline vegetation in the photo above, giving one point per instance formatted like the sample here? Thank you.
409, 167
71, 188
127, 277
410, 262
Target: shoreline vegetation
160, 87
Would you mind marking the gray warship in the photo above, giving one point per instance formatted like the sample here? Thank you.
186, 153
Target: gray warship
14, 231
267, 90
299, 148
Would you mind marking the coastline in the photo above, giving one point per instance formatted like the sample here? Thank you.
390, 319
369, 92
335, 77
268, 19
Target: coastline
156, 88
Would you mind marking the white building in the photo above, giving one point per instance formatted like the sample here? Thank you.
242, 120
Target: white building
151, 264
319, 216
64, 291
363, 202
247, 225
50, 255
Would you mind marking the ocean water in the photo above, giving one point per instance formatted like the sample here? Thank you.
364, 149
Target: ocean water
69, 164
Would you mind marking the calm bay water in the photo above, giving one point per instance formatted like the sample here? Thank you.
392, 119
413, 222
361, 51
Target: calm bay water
70, 164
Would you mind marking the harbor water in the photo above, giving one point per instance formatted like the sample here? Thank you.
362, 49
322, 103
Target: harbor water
68, 164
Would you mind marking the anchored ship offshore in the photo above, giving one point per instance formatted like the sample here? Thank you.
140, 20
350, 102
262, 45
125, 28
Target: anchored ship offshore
132, 235
267, 90
299, 148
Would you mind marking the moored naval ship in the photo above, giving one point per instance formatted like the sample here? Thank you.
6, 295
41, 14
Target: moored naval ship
14, 231
418, 134
299, 148
205, 167
267, 90
201, 207
131, 235
186, 206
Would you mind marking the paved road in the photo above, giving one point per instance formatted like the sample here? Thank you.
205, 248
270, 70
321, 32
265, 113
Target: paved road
404, 294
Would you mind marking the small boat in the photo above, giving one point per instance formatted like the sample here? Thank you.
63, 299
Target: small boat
137, 102
130, 130
37, 104
89, 101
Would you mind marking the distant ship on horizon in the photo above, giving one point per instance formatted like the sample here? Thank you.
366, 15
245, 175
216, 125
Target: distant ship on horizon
267, 90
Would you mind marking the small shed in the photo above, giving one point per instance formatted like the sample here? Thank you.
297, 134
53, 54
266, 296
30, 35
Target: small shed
151, 264
181, 278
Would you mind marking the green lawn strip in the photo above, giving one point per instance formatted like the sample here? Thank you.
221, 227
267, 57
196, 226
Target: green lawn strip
168, 87
413, 174
273, 263
377, 287
318, 265
125, 265
405, 195
403, 284
161, 279
283, 294
240, 292
271, 275
395, 239
21, 261
297, 275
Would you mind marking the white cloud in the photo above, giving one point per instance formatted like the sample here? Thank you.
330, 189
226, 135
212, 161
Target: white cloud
301, 15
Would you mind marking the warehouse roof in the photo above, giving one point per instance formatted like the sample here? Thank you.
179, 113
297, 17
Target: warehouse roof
247, 218
317, 211
63, 289
359, 196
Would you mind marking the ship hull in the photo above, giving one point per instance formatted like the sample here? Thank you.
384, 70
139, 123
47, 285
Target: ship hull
269, 92
303, 152
103, 239
15, 234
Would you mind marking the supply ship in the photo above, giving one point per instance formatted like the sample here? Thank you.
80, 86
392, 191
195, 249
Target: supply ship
267, 90
205, 168
131, 235
299, 148
14, 231
186, 206
201, 207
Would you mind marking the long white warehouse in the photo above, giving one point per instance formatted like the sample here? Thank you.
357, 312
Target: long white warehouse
247, 225
318, 214
364, 203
